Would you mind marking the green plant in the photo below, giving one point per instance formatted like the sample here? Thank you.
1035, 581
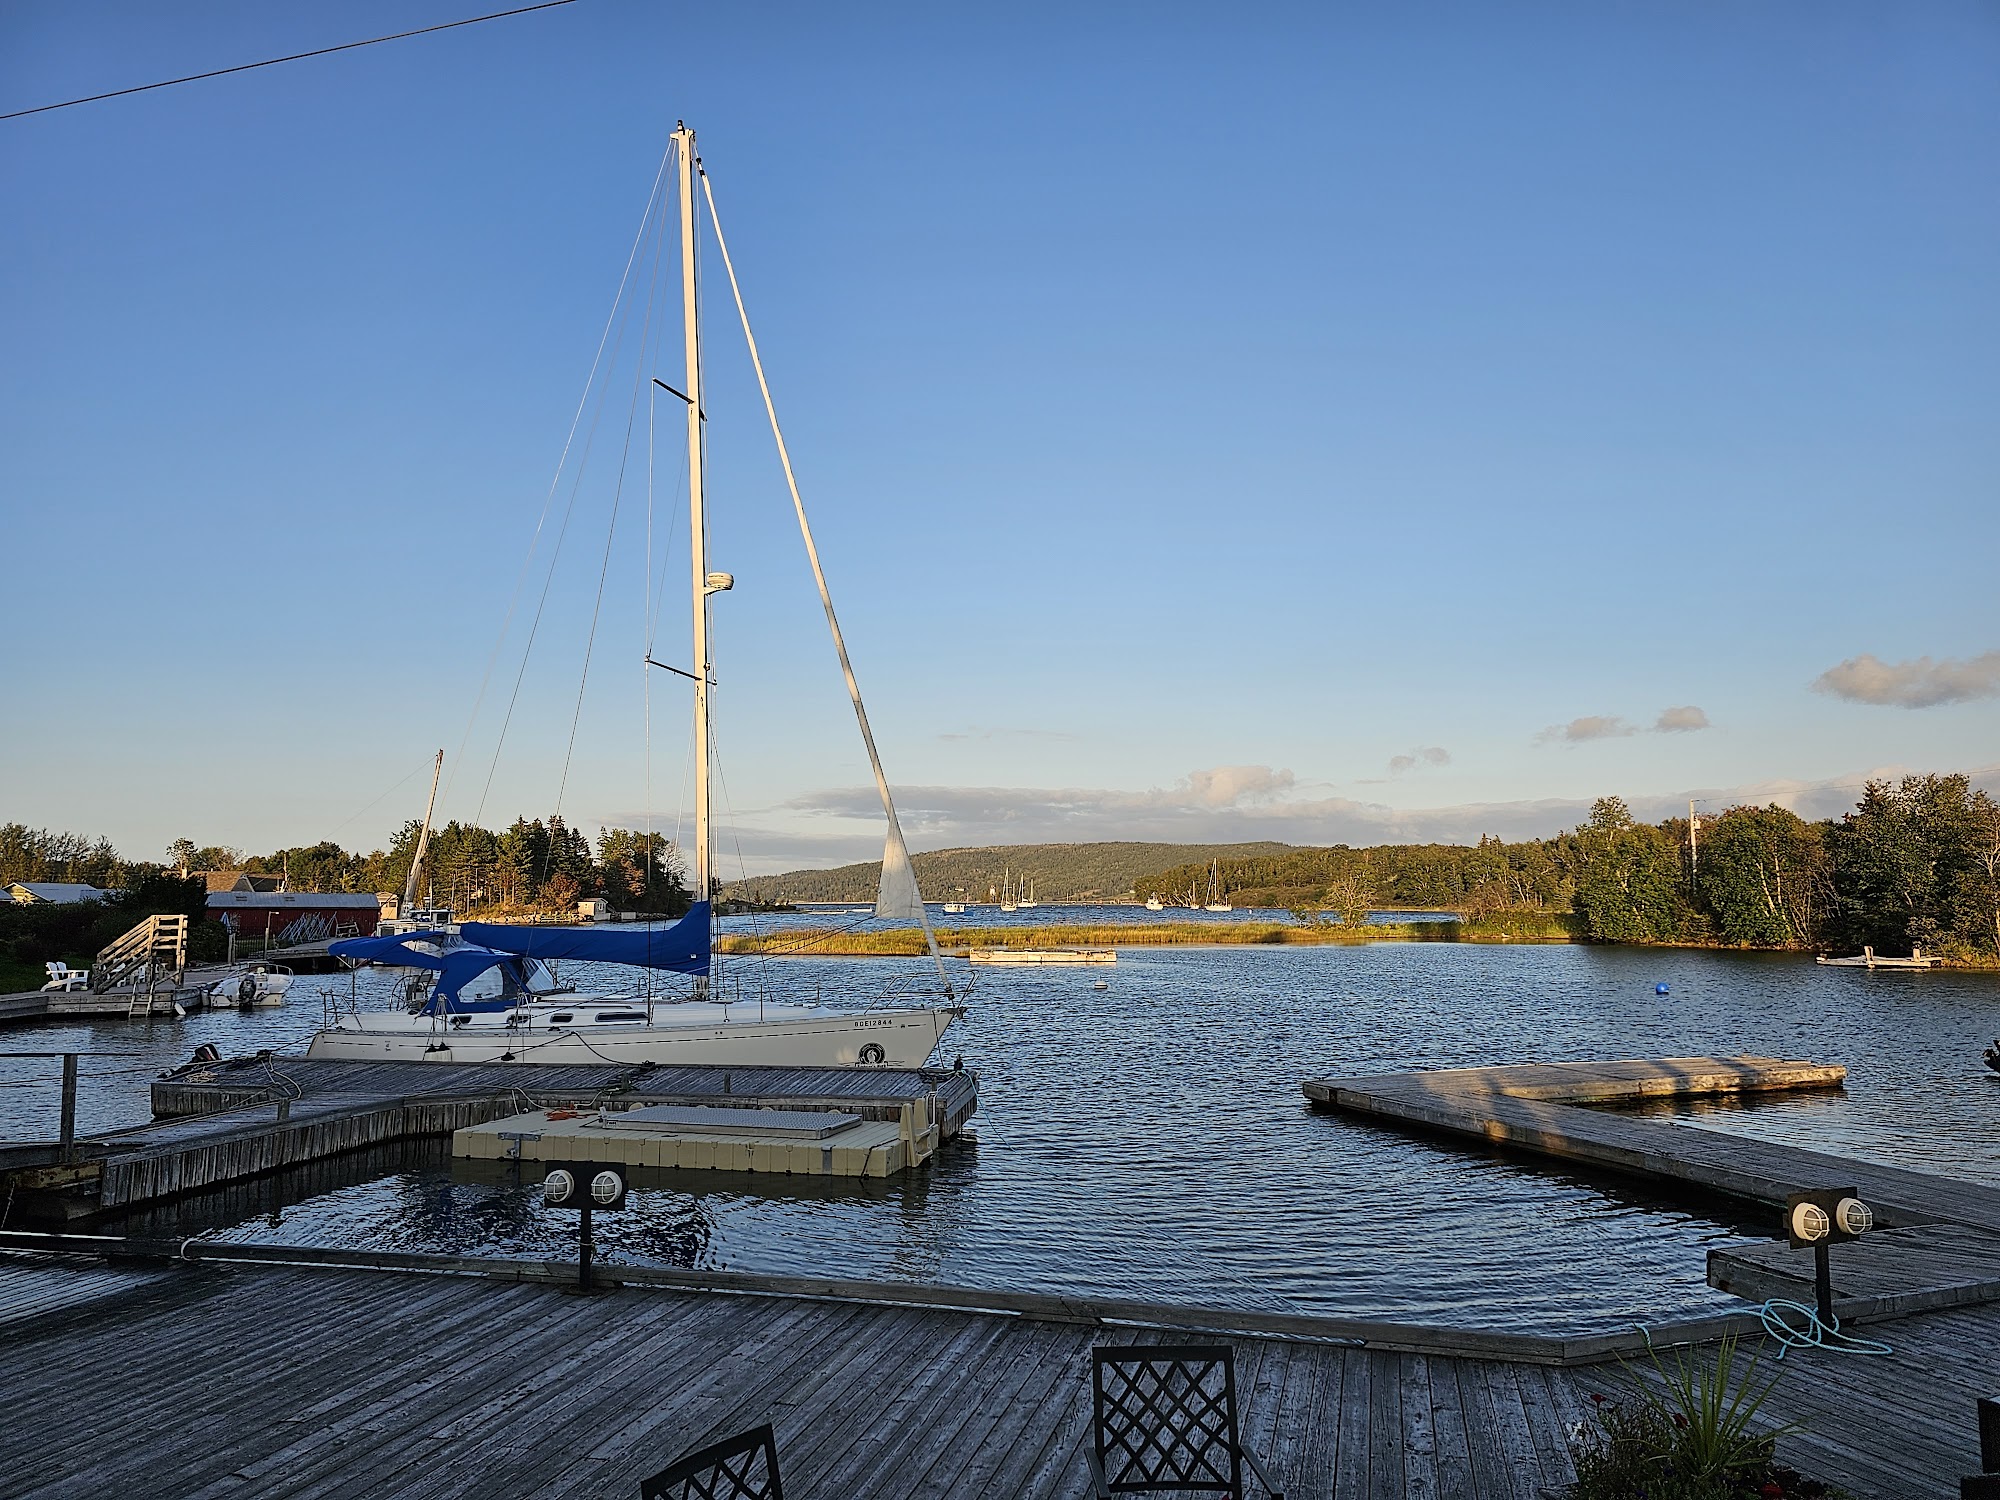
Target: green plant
1690, 1434
1711, 1410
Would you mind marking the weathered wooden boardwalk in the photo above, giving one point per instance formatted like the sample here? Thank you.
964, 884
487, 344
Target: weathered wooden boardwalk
1538, 1108
211, 1381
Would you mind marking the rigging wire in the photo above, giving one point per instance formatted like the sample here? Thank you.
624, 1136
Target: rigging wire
272, 62
555, 482
416, 771
640, 382
576, 484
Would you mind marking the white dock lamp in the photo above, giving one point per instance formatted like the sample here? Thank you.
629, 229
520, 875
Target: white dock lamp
583, 1186
1824, 1217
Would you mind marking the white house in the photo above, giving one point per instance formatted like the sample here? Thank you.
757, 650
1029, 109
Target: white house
53, 892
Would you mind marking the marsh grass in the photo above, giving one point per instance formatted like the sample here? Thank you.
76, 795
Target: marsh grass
909, 941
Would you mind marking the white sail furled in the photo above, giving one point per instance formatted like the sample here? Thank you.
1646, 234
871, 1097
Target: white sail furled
896, 897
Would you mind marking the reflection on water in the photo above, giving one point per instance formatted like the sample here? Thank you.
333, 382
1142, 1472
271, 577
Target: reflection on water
1149, 1140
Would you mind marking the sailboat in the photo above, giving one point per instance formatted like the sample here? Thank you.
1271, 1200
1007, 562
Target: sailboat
495, 998
1215, 901
1007, 901
1027, 901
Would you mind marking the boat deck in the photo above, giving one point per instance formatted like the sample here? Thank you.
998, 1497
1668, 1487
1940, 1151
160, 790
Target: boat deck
212, 1381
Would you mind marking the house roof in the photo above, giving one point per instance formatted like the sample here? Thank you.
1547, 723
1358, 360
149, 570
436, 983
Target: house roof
290, 900
54, 890
240, 880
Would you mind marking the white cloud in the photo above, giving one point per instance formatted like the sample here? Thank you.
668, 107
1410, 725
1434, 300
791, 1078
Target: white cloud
1589, 727
1423, 755
1922, 683
1682, 720
841, 825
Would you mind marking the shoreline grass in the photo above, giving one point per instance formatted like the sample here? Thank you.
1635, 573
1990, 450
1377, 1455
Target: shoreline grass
908, 942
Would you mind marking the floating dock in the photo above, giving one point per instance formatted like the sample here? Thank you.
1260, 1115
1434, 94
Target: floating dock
1939, 1240
1042, 955
228, 1121
740, 1138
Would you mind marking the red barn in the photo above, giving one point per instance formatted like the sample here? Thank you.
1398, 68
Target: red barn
286, 917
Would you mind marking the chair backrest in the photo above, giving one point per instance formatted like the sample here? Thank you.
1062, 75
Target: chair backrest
1166, 1417
744, 1467
57, 969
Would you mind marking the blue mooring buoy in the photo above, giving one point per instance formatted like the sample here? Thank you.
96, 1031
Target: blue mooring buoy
1659, 989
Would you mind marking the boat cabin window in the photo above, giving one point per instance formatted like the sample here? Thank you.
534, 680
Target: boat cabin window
514, 980
621, 1015
561, 1020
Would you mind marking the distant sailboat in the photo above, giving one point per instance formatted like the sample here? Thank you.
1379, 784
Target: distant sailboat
1029, 900
1215, 901
1007, 901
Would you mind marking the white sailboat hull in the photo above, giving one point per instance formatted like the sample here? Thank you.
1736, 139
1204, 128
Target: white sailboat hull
886, 1038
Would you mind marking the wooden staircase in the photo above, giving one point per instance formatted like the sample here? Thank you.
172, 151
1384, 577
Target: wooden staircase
155, 948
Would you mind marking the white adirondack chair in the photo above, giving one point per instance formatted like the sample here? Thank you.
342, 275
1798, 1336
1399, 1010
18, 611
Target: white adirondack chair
63, 977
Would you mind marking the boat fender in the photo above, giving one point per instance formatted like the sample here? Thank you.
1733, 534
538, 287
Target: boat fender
207, 1052
247, 990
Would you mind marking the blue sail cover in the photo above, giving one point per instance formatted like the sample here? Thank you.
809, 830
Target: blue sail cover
392, 950
454, 969
683, 947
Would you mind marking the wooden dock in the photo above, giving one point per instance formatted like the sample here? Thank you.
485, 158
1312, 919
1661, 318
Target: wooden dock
217, 1380
1939, 1241
1884, 1274
1538, 1109
249, 1116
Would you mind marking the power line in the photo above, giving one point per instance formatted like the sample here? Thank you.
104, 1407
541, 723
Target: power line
272, 62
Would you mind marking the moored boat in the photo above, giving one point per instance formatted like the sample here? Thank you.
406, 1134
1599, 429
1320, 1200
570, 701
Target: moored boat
495, 997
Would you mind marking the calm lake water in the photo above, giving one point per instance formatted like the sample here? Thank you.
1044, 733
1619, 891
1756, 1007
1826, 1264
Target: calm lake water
1150, 1140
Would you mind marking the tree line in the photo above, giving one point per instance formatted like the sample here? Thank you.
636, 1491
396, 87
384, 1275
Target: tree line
534, 864
1916, 863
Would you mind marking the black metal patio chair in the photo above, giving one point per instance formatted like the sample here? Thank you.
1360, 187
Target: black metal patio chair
744, 1467
1165, 1419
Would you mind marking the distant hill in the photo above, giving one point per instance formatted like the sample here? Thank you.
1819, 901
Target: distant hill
1060, 872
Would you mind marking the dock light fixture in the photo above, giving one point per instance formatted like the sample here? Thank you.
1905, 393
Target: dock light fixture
583, 1186
1826, 1216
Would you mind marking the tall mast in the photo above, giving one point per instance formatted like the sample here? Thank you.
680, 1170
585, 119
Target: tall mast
423, 841
697, 517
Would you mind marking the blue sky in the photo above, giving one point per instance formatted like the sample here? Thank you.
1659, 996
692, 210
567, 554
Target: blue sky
1304, 423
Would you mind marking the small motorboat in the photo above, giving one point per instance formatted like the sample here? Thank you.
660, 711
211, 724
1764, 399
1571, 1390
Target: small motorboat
260, 984
1154, 903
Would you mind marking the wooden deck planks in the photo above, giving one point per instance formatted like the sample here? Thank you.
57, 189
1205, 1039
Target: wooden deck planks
308, 1383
